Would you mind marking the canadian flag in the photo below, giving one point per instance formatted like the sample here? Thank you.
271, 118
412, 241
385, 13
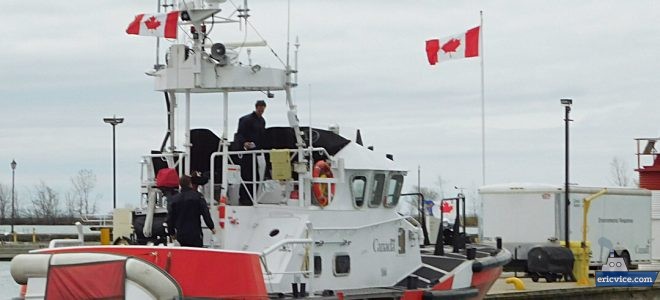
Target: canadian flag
161, 25
453, 47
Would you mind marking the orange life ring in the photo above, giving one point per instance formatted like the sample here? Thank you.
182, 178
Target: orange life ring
320, 190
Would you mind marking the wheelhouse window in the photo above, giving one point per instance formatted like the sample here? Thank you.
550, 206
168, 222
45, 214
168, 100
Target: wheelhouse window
358, 190
394, 190
377, 190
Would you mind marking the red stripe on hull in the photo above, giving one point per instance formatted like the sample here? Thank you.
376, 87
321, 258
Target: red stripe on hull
201, 273
444, 285
484, 280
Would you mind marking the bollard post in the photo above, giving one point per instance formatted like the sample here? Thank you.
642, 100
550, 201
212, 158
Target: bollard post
15, 237
105, 236
471, 253
34, 235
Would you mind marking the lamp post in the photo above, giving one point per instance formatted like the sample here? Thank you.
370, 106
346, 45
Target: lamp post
13, 198
114, 121
567, 108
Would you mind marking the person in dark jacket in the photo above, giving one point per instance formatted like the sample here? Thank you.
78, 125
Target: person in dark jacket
252, 128
183, 215
251, 136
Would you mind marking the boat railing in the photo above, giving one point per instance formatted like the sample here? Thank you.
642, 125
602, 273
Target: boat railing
282, 245
410, 219
255, 182
97, 219
173, 160
148, 173
80, 241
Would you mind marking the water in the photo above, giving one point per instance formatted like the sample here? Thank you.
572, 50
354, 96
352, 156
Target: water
8, 287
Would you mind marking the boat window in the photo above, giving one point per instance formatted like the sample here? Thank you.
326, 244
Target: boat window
358, 189
317, 265
342, 265
377, 190
402, 241
394, 190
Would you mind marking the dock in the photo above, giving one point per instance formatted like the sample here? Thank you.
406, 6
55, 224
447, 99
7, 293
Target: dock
28, 242
9, 250
568, 290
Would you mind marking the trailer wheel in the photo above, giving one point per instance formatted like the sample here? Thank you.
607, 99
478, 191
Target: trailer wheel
535, 277
550, 277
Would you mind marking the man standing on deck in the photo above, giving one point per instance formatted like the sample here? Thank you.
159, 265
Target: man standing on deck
183, 215
250, 135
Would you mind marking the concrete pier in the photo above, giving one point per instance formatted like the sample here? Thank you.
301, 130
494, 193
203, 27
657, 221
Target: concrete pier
8, 251
568, 290
27, 242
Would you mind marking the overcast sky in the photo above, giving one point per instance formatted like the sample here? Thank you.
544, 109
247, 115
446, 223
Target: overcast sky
64, 65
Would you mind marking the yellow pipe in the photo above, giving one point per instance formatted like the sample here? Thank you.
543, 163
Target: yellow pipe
585, 211
517, 283
581, 267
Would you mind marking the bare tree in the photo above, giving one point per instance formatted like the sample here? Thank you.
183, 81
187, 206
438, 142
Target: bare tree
81, 199
440, 182
619, 172
69, 205
45, 203
5, 203
429, 193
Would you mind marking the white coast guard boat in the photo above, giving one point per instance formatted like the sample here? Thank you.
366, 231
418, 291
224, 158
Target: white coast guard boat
323, 221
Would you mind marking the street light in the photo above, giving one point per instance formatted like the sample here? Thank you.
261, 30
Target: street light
13, 206
114, 121
567, 106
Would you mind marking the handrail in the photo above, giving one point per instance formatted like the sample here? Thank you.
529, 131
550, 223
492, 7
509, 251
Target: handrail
149, 164
254, 153
80, 241
284, 242
405, 218
103, 219
277, 246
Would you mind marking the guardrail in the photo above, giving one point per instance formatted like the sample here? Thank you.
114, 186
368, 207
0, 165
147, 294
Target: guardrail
254, 153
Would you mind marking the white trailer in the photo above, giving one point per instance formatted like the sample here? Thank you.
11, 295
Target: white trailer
655, 226
528, 214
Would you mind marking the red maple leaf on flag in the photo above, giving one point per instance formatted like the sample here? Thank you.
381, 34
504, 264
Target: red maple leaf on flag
446, 207
152, 23
451, 46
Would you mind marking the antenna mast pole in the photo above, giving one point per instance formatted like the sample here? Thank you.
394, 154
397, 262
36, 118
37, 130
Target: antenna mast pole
157, 44
288, 32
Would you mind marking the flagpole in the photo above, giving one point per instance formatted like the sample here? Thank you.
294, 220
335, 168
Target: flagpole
157, 42
483, 114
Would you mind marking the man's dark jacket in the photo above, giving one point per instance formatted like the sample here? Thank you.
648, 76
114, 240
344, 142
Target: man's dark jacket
251, 128
183, 212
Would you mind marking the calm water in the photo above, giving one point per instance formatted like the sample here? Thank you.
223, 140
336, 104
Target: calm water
8, 288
